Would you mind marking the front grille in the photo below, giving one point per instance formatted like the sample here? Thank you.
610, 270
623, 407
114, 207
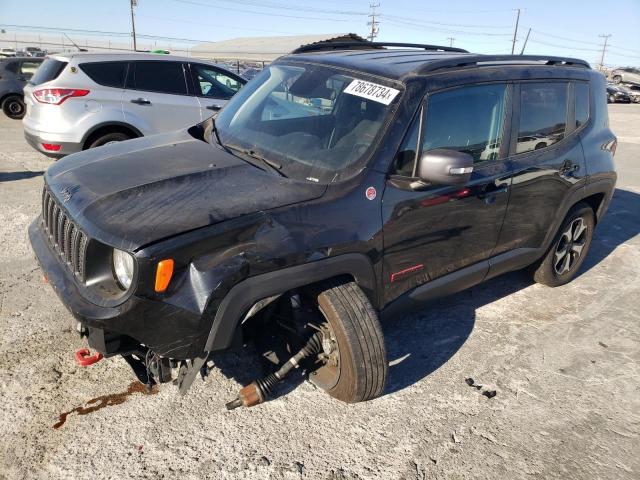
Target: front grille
64, 235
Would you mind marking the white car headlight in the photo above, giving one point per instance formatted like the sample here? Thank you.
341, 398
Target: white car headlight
123, 265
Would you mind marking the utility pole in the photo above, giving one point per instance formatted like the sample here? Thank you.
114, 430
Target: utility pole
451, 39
375, 25
134, 3
604, 48
515, 33
525, 42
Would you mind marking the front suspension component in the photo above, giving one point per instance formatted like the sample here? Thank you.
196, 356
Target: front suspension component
258, 391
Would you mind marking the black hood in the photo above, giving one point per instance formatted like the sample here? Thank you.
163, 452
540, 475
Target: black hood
140, 191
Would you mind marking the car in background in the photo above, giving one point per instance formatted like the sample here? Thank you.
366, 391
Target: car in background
616, 94
249, 73
78, 101
34, 52
7, 52
626, 75
14, 74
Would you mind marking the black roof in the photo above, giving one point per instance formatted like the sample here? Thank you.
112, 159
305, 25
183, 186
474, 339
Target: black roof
398, 63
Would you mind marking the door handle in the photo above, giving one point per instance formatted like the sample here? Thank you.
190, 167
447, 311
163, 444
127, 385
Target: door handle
141, 101
568, 167
492, 192
214, 107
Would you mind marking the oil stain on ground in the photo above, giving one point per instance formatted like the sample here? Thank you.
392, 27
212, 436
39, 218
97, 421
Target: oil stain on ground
106, 401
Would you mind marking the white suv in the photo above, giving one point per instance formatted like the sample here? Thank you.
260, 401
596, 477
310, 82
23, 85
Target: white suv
84, 100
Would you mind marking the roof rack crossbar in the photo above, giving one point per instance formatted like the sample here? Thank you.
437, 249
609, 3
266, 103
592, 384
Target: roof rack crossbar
320, 46
467, 60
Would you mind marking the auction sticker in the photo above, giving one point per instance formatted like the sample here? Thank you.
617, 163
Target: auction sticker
372, 91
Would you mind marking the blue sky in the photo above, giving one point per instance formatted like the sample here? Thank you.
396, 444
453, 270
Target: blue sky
561, 27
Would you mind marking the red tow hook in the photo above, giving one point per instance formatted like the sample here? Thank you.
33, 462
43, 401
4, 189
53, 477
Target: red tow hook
84, 358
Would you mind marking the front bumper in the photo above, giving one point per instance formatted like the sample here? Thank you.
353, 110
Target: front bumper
37, 139
166, 329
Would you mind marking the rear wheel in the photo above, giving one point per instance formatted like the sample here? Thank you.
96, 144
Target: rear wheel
617, 79
108, 139
13, 107
569, 249
355, 359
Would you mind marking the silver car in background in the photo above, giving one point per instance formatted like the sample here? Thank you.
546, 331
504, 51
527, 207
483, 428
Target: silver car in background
626, 75
83, 100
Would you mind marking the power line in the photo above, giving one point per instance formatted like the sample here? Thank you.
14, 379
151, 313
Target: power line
421, 27
269, 14
485, 26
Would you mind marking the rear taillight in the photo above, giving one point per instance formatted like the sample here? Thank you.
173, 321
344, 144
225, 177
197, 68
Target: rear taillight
55, 96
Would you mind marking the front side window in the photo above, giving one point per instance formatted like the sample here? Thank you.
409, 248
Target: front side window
211, 82
468, 119
318, 123
162, 77
581, 90
543, 115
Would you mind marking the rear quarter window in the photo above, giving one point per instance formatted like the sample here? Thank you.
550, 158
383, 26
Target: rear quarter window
108, 74
49, 70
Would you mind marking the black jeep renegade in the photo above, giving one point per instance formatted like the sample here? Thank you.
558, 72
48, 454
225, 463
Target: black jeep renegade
343, 180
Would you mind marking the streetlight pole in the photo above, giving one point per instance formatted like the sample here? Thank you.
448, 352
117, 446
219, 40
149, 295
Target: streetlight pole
134, 3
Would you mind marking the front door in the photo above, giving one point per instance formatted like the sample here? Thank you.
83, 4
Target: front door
432, 230
213, 87
158, 97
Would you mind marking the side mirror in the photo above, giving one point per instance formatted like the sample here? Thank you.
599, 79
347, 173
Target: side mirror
445, 167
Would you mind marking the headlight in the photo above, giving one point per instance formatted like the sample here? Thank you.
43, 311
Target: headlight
123, 265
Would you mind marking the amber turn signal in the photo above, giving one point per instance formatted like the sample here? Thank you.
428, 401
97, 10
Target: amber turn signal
163, 274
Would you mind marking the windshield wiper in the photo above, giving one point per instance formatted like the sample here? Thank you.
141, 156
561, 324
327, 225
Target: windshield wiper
273, 166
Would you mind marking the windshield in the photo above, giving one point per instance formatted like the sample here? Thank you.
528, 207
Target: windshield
315, 123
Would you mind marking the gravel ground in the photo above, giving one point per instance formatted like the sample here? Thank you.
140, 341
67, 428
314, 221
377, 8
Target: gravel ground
563, 363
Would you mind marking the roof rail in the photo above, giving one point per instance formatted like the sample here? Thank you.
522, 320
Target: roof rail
320, 46
475, 59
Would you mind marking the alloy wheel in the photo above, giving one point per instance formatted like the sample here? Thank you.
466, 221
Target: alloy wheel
570, 246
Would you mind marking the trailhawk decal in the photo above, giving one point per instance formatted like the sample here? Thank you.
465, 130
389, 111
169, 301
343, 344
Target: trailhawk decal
372, 91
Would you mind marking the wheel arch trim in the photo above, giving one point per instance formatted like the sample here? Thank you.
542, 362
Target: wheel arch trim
102, 125
246, 293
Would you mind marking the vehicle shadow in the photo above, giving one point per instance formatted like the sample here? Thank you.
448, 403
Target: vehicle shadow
420, 342
12, 176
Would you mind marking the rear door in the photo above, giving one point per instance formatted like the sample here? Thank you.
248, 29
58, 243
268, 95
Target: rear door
158, 97
433, 230
213, 87
109, 78
546, 160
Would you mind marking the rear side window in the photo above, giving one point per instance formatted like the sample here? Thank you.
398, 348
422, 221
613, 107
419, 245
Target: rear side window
28, 67
163, 77
468, 119
581, 90
49, 70
12, 67
543, 115
109, 74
